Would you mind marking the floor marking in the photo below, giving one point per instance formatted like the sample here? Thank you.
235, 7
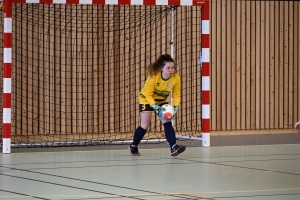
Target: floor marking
169, 194
143, 149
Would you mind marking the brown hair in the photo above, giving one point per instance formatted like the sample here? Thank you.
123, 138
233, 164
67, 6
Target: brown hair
158, 64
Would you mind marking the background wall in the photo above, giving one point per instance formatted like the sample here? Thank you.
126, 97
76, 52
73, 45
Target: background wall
255, 75
255, 66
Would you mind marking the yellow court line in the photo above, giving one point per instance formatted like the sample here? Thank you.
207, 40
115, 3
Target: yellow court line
247, 191
164, 194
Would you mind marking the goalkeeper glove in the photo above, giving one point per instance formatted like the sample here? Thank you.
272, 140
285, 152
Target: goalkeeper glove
176, 109
175, 112
158, 110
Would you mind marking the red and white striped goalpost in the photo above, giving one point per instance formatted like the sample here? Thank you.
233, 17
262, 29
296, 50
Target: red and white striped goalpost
7, 56
7, 53
205, 58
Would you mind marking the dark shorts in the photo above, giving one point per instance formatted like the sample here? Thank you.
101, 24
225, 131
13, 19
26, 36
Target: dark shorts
147, 107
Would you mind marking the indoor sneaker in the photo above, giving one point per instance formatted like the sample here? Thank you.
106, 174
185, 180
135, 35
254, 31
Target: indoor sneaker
177, 149
133, 150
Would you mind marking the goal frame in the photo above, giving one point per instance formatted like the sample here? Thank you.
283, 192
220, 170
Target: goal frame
204, 58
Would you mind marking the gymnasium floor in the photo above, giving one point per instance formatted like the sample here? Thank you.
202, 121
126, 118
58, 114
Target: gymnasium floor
261, 172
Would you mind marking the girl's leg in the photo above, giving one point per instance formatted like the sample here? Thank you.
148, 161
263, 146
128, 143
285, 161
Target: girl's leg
169, 133
171, 138
141, 130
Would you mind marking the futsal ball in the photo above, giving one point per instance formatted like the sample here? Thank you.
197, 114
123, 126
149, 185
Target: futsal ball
168, 112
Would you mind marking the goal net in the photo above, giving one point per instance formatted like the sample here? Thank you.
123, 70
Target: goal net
77, 71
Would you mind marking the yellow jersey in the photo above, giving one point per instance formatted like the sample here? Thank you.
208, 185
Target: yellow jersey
157, 90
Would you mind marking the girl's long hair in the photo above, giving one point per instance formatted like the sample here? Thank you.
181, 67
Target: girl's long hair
158, 64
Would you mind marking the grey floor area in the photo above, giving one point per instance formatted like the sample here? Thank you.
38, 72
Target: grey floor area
246, 172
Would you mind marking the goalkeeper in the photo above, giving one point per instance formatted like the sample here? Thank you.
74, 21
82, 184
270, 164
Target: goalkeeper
161, 81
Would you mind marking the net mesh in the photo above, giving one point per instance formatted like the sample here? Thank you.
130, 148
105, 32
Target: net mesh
78, 69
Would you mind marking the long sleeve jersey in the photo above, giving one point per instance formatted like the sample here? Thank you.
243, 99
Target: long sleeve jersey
157, 90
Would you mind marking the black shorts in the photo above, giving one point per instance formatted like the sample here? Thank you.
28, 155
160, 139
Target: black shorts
148, 108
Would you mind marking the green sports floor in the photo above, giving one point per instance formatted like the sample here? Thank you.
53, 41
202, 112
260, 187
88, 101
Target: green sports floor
238, 168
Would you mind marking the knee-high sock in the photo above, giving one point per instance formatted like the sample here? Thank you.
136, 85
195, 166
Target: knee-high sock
170, 133
138, 135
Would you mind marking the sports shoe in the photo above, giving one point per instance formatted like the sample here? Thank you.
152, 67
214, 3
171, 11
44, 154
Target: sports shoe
133, 150
177, 149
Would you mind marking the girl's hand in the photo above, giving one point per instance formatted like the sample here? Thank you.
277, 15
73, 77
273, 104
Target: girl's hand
158, 110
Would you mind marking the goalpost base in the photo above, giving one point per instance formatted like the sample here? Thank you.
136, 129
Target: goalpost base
205, 139
6, 146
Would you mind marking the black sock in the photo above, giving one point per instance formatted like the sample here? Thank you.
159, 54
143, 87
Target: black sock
170, 133
138, 135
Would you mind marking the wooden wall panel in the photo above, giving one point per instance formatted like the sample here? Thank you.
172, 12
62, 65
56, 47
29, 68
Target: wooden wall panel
254, 85
237, 71
252, 67
213, 22
296, 60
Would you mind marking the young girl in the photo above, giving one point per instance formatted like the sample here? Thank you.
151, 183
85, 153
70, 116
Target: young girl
161, 81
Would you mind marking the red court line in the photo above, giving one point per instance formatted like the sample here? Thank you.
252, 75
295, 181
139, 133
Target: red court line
197, 197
